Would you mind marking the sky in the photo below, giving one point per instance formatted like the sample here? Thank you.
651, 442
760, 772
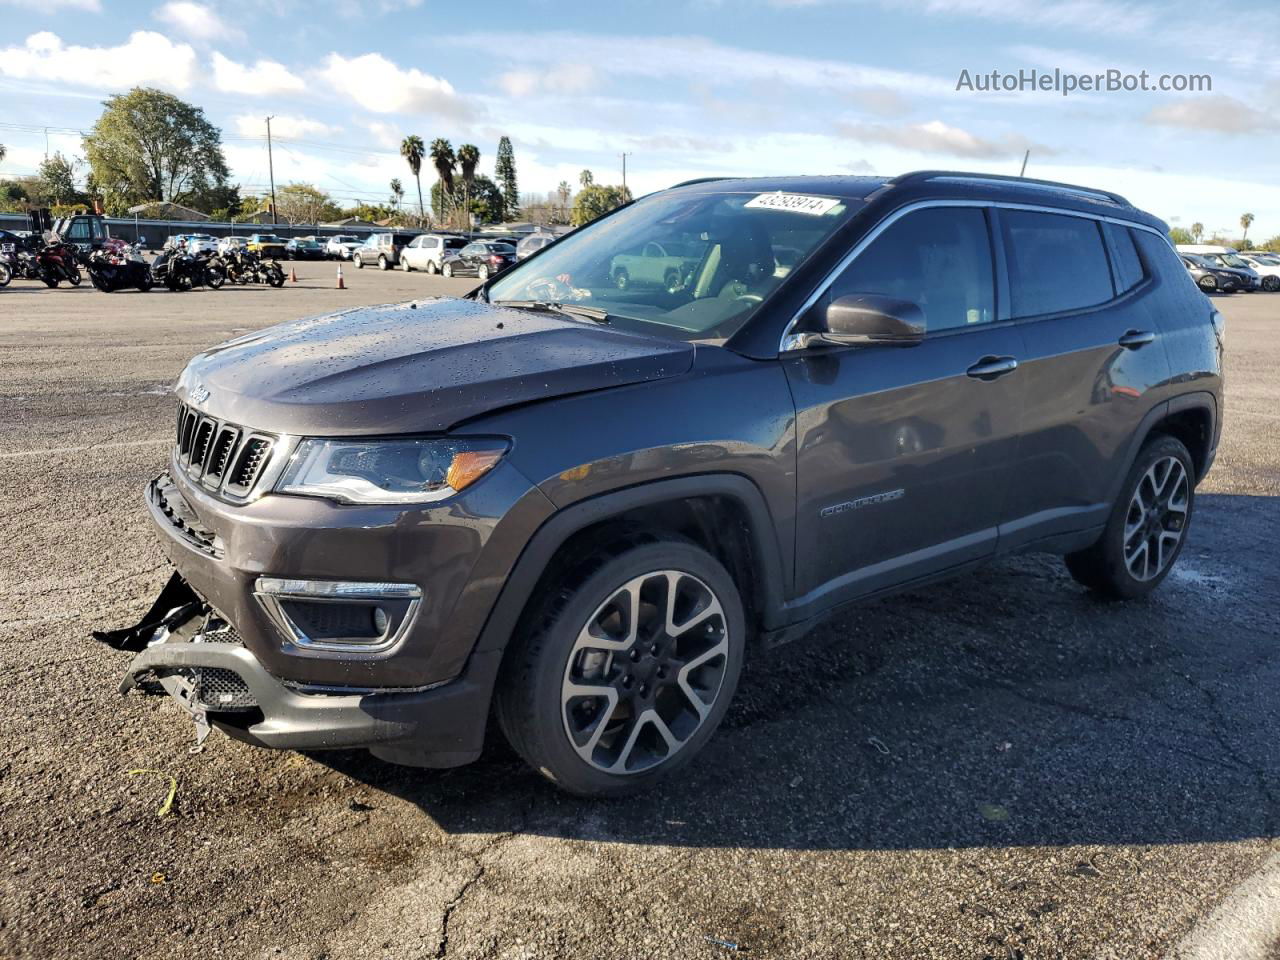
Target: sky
684, 89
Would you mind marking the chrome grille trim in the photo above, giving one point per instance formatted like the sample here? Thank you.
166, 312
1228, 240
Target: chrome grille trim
227, 459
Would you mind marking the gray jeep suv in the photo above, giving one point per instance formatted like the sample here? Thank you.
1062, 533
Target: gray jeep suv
575, 507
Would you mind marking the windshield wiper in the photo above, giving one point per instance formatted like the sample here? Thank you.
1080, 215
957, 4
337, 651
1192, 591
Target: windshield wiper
556, 306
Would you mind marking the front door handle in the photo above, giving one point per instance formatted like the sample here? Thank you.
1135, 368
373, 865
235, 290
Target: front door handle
1133, 339
989, 368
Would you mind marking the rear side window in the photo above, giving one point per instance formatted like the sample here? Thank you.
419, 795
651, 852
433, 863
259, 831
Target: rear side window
1161, 260
938, 258
1056, 262
1128, 267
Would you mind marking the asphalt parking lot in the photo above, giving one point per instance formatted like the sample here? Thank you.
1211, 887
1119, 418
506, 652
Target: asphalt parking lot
998, 767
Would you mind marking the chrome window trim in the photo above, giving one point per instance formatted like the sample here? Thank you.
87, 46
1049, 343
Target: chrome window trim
790, 342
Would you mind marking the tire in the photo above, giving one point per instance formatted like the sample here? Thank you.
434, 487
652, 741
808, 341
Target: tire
51, 282
215, 275
276, 277
621, 279
482, 272
448, 270
644, 681
404, 265
1270, 284
433, 267
6, 274
1158, 535
1208, 284
73, 276
382, 263
359, 261
671, 280
146, 283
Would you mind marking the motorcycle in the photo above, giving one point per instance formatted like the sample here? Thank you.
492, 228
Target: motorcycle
179, 270
114, 269
56, 261
244, 267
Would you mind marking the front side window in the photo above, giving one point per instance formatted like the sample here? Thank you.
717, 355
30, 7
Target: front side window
1056, 262
690, 265
937, 258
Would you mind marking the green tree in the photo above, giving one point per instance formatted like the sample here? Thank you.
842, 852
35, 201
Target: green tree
586, 178
595, 201
1272, 245
413, 150
1197, 231
149, 145
1180, 235
442, 159
305, 203
57, 180
397, 193
504, 168
1246, 221
468, 160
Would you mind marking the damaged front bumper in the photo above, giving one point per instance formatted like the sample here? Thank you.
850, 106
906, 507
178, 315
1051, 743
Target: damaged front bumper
196, 657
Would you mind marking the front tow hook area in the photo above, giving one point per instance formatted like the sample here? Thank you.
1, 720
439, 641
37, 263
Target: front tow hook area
176, 604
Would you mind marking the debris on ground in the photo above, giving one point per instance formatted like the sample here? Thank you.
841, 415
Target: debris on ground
166, 808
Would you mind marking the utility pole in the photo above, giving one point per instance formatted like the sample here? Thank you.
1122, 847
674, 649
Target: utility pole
271, 172
624, 169
1025, 157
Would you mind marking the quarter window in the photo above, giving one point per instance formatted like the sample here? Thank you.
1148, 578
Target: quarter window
1056, 263
938, 258
1128, 266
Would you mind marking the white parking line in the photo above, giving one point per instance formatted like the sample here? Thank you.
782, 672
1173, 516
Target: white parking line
1245, 926
88, 446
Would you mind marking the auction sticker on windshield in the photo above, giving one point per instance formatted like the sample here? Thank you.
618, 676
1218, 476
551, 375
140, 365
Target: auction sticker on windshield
795, 202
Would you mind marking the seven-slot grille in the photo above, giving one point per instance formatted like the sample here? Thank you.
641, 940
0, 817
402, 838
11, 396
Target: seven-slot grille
223, 457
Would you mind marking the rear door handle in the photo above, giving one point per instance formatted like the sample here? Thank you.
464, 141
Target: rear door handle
989, 368
1133, 339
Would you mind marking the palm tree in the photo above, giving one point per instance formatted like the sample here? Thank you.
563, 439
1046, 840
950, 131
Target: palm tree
1197, 231
397, 193
468, 159
586, 178
563, 193
3, 152
413, 150
1246, 221
443, 159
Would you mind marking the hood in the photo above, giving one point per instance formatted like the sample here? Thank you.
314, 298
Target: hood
415, 367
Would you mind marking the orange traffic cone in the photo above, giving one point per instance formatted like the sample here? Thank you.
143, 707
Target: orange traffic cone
293, 274
341, 285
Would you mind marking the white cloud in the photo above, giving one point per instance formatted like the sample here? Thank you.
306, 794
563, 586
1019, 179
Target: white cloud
379, 85
145, 59
264, 78
566, 78
697, 59
1217, 114
937, 137
197, 21
282, 125
384, 134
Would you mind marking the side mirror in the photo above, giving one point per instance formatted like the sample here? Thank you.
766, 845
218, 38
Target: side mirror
868, 319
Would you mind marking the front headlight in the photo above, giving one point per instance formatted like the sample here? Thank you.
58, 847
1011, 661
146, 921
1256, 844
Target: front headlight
389, 471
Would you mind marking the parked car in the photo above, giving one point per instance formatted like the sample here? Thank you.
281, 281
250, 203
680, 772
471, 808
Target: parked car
428, 251
201, 243
1225, 258
1208, 277
657, 263
304, 248
483, 259
382, 249
266, 245
528, 246
340, 247
578, 509
1266, 266
229, 245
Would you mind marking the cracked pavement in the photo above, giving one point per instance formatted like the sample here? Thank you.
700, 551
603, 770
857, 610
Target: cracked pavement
999, 766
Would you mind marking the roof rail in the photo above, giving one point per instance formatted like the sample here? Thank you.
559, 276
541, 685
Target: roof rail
689, 183
917, 176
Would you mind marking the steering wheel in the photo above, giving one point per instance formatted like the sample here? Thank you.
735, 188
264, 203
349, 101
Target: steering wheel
550, 289
662, 251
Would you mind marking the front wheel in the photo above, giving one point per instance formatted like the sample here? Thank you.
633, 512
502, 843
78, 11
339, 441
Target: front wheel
448, 270
433, 267
626, 670
6, 274
1147, 527
482, 272
73, 276
382, 263
1271, 284
359, 262
404, 264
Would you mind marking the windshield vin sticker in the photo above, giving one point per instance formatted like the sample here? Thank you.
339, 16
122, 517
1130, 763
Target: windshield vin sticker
795, 202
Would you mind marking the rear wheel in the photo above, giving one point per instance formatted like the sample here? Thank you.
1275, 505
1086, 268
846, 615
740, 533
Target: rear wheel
404, 264
621, 279
1271, 284
382, 263
359, 261
1147, 527
626, 670
482, 272
73, 275
6, 274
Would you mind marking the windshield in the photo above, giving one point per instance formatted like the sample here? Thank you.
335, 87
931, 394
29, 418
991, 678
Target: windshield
687, 265
1231, 260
